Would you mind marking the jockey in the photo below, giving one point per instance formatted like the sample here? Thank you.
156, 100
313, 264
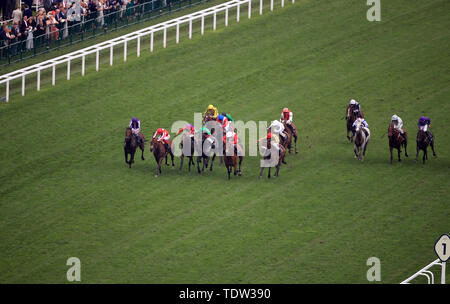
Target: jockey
163, 136
364, 124
212, 110
276, 127
228, 116
232, 137
223, 120
287, 116
206, 133
135, 125
398, 124
356, 108
424, 122
190, 130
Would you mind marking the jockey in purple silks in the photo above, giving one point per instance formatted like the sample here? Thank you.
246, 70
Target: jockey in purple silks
135, 125
424, 122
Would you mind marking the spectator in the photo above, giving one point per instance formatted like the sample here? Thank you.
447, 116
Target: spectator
28, 12
17, 15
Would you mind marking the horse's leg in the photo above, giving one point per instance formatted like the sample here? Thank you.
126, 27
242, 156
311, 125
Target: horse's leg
432, 148
220, 162
405, 144
295, 141
171, 158
181, 162
278, 169
142, 149
268, 176
390, 150
424, 155
261, 172
399, 151
212, 162
240, 162
198, 163
126, 155
132, 158
417, 153
229, 171
355, 149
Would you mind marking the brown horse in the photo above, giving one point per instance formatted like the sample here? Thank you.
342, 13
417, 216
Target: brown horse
293, 134
230, 159
361, 141
396, 141
160, 152
130, 145
350, 117
190, 140
423, 140
268, 161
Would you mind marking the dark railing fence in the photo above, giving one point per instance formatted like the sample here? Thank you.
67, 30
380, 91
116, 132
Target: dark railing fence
91, 25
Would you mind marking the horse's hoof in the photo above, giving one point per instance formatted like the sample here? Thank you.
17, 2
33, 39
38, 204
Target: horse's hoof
156, 175
260, 177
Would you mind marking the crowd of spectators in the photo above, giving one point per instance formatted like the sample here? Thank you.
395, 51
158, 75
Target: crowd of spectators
60, 18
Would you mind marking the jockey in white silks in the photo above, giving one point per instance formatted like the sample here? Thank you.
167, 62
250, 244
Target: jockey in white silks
398, 123
363, 123
277, 127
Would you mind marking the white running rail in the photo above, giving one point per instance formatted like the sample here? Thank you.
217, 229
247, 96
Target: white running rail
428, 274
149, 31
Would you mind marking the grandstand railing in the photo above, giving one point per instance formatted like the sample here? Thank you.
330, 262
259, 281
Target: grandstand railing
123, 40
427, 273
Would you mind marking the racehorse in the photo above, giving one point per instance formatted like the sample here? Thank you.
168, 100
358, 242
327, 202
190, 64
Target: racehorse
130, 145
350, 117
160, 152
396, 141
205, 154
361, 140
184, 138
268, 161
230, 159
424, 140
293, 134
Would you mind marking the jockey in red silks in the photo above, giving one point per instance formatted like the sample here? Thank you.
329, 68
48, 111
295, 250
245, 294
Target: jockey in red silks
190, 130
232, 137
287, 116
226, 126
163, 136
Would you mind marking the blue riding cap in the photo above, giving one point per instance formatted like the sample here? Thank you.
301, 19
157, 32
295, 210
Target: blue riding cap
134, 119
220, 117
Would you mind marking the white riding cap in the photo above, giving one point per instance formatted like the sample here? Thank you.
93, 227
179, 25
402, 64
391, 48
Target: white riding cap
352, 102
394, 117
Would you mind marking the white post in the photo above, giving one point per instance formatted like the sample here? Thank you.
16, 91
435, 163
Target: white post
249, 9
271, 5
97, 59
190, 28
178, 33
125, 51
293, 1
7, 91
238, 10
164, 37
38, 80
260, 6
111, 55
151, 42
214, 21
282, 3
226, 16
23, 85
443, 273
53, 74
139, 46
203, 24
83, 63
68, 69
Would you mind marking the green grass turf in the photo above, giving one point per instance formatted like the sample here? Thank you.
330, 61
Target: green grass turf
65, 189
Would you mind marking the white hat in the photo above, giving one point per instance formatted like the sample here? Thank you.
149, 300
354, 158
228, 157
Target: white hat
394, 117
352, 102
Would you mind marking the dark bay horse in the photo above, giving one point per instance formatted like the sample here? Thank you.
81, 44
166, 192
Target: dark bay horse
350, 117
230, 159
423, 140
190, 141
396, 141
160, 152
292, 135
269, 161
206, 154
130, 146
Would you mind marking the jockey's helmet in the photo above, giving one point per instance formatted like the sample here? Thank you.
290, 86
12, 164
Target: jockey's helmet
210, 107
221, 117
160, 130
134, 119
285, 110
352, 102
394, 117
